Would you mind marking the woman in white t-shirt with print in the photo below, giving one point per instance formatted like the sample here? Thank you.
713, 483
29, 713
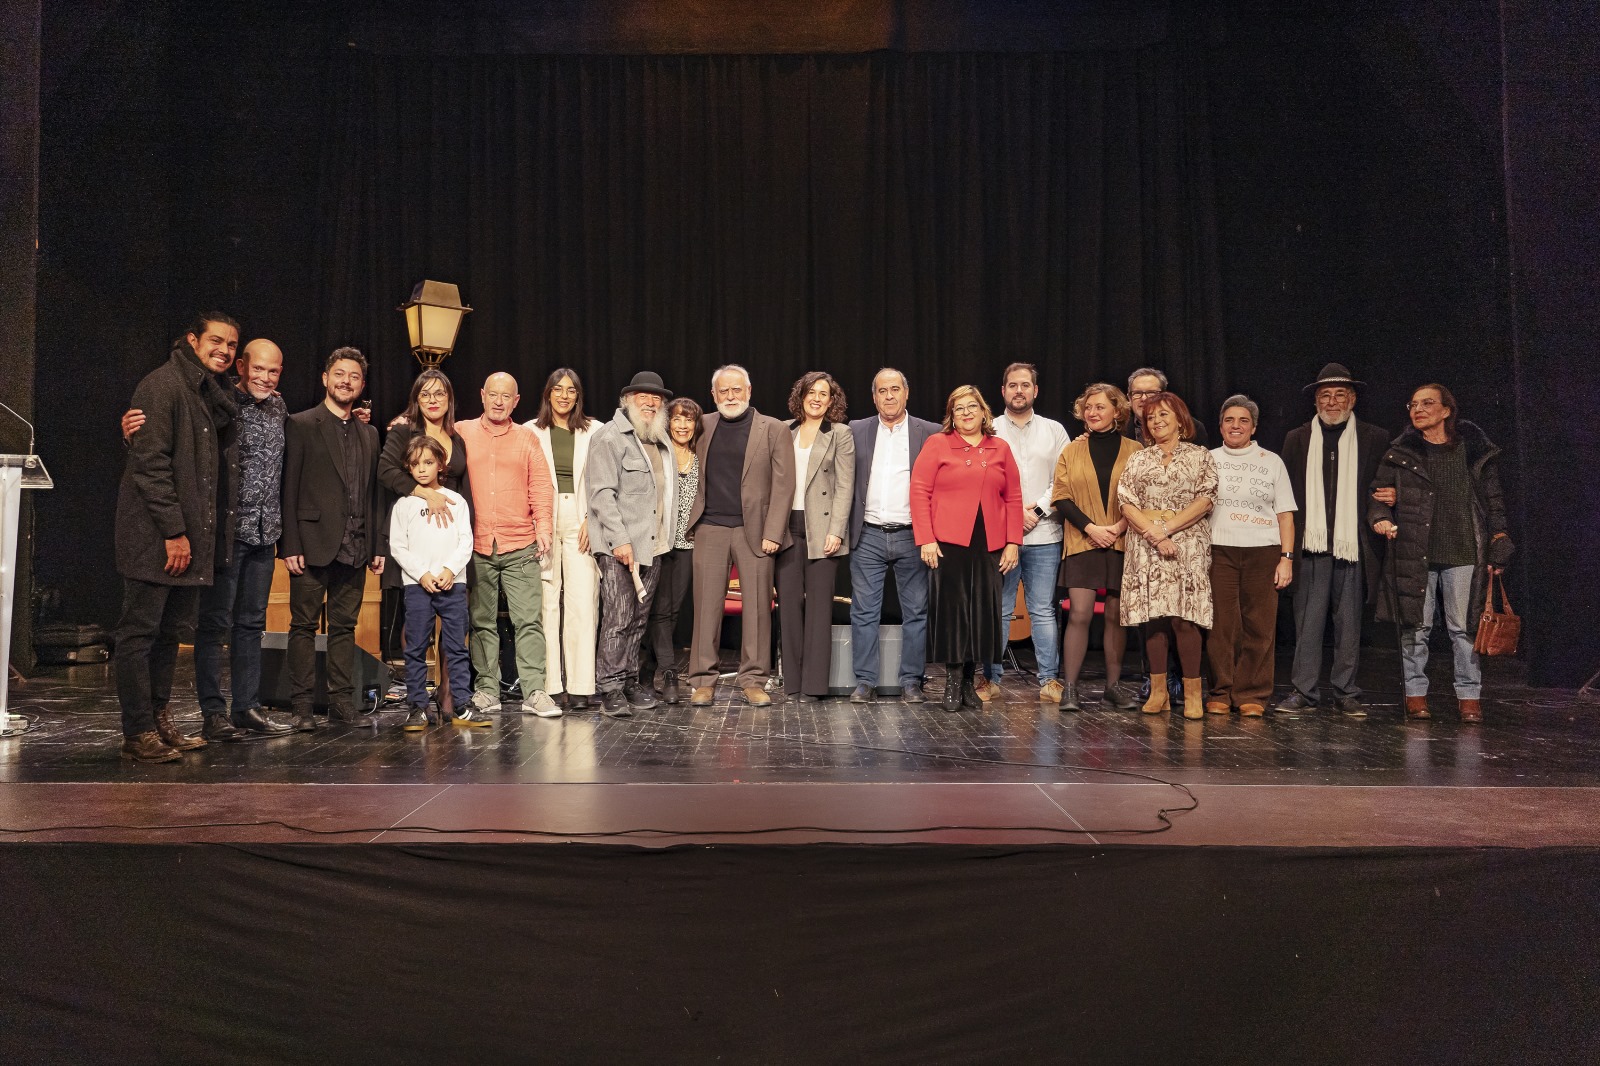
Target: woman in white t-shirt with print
1252, 558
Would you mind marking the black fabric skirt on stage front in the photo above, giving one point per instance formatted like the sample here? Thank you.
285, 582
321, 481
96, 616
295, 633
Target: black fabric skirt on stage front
964, 603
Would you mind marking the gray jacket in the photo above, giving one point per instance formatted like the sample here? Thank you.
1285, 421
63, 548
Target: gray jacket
624, 498
829, 480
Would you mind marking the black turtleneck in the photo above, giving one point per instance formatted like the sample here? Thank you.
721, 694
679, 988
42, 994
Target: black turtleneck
1104, 447
1331, 435
724, 470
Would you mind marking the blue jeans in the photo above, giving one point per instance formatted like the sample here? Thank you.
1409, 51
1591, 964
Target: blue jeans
1036, 569
1450, 586
233, 607
450, 607
869, 561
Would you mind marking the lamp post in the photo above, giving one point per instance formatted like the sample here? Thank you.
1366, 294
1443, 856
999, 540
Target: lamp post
433, 318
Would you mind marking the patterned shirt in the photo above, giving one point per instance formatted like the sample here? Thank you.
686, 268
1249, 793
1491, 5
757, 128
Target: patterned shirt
260, 469
688, 483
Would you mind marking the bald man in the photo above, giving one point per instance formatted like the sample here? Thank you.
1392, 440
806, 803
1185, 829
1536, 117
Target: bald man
234, 606
513, 501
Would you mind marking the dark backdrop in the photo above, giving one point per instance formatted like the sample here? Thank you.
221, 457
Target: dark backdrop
1239, 194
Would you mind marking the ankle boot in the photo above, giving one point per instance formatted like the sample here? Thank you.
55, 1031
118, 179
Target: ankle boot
1194, 698
1471, 710
1158, 695
1417, 707
952, 688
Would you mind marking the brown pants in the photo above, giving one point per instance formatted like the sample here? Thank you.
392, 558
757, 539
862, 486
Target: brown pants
714, 548
1244, 629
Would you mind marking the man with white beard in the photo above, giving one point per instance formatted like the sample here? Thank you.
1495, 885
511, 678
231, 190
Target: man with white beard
740, 514
632, 510
1331, 461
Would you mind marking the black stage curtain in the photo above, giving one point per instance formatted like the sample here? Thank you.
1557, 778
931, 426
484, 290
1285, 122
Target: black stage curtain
942, 213
822, 953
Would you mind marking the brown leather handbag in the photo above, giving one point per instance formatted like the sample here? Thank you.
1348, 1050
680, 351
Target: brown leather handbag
1498, 631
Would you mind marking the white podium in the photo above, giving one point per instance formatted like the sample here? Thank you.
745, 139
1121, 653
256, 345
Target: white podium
17, 472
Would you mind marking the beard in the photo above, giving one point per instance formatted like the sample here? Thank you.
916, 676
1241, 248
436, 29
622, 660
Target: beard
652, 429
1337, 420
733, 408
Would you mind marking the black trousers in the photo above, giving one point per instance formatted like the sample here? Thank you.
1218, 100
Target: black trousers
672, 589
805, 613
147, 648
341, 587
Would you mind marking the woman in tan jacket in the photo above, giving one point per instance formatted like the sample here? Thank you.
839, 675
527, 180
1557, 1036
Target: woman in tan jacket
1085, 496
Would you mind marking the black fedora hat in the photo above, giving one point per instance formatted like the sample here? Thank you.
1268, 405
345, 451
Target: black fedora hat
1333, 374
648, 381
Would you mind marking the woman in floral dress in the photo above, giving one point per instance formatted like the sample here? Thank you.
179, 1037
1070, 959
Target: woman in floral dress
1166, 492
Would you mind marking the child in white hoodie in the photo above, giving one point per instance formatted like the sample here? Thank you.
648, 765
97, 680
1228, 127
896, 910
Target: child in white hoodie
431, 559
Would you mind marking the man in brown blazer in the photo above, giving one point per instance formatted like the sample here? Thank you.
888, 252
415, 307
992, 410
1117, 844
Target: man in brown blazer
740, 513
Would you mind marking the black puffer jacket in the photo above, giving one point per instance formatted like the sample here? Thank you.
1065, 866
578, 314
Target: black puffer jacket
1404, 468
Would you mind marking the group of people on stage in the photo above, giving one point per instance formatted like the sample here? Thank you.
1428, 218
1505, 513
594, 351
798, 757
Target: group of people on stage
595, 531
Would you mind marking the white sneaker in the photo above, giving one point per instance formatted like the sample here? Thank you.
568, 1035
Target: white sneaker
542, 705
485, 703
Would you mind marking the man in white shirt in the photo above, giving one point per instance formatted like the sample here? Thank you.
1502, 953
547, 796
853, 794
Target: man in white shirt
1036, 443
880, 537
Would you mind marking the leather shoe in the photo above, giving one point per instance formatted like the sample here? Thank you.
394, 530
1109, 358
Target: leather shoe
704, 696
1114, 698
1069, 697
172, 736
254, 723
640, 696
305, 723
614, 704
1350, 706
1251, 710
345, 716
219, 728
862, 693
1417, 707
670, 693
1296, 703
1471, 710
148, 747
578, 703
985, 689
756, 696
913, 693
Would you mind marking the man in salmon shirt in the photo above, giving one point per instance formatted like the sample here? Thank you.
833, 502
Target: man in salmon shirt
512, 521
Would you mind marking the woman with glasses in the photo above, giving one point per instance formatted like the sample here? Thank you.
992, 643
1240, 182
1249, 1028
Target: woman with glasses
966, 517
1166, 492
431, 409
677, 573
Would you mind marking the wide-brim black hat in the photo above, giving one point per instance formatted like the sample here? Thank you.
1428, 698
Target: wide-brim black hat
648, 381
1333, 374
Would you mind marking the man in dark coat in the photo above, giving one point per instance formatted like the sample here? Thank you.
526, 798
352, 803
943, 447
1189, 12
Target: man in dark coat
1332, 459
1437, 498
334, 530
174, 522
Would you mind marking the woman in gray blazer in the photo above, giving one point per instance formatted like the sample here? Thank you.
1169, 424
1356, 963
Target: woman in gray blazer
825, 472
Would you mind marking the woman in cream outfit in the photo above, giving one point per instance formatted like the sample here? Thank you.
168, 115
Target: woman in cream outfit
571, 606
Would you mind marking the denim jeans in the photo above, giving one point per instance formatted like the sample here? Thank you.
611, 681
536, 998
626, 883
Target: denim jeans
870, 559
1451, 587
450, 607
1036, 569
234, 607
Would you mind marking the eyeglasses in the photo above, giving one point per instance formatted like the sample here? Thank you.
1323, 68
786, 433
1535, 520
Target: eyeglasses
966, 409
1143, 394
1415, 404
432, 394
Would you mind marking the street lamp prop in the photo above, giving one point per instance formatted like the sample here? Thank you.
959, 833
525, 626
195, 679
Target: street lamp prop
433, 318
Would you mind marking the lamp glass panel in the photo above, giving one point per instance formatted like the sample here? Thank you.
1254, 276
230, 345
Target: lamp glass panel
414, 324
439, 325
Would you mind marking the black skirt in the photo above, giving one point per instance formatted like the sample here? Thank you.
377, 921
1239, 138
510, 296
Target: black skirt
1096, 568
964, 603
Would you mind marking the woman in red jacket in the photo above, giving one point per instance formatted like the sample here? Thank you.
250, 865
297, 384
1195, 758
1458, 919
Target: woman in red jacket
966, 516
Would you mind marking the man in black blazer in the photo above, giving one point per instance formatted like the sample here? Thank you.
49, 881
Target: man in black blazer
333, 532
1333, 459
887, 444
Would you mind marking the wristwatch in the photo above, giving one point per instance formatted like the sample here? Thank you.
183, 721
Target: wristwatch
1289, 556
1040, 512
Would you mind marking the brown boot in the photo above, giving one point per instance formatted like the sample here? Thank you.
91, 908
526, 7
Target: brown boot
172, 737
1471, 710
1417, 707
147, 747
1194, 698
1158, 701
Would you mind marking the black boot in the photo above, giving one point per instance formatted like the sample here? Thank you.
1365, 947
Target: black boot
969, 691
669, 688
952, 688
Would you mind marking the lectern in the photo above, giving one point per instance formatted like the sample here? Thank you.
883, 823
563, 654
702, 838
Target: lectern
17, 472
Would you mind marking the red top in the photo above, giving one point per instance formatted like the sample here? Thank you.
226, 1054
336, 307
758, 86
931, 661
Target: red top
951, 478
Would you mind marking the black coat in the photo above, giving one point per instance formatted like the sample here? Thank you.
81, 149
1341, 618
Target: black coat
315, 504
179, 465
1371, 442
1405, 469
398, 483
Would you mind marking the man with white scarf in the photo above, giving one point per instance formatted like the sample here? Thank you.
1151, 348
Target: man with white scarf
631, 510
1332, 461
